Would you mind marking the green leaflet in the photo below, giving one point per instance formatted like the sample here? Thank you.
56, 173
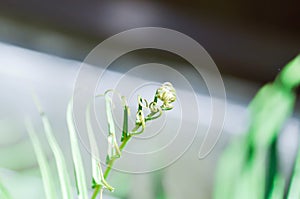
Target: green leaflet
125, 132
77, 160
113, 148
42, 161
290, 77
58, 155
251, 182
97, 173
278, 187
231, 162
269, 110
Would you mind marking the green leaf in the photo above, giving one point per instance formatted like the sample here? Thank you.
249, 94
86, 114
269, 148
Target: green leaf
113, 148
269, 110
42, 161
230, 169
125, 132
97, 173
77, 160
290, 77
94, 183
58, 155
278, 187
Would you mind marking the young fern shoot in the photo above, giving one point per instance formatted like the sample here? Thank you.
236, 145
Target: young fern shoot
166, 94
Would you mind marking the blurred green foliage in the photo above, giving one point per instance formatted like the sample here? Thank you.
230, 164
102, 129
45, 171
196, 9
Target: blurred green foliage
249, 166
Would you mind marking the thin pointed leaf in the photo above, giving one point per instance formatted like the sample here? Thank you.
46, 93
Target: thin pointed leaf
77, 160
60, 160
125, 132
58, 155
113, 148
97, 173
42, 161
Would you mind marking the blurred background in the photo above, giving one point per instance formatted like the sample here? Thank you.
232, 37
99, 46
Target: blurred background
42, 44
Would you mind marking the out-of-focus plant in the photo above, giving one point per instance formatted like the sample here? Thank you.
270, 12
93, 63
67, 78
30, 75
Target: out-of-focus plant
166, 94
249, 167
4, 193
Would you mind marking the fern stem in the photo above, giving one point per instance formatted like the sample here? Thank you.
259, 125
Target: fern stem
109, 167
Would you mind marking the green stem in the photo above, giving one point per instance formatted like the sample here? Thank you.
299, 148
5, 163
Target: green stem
109, 167
98, 187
